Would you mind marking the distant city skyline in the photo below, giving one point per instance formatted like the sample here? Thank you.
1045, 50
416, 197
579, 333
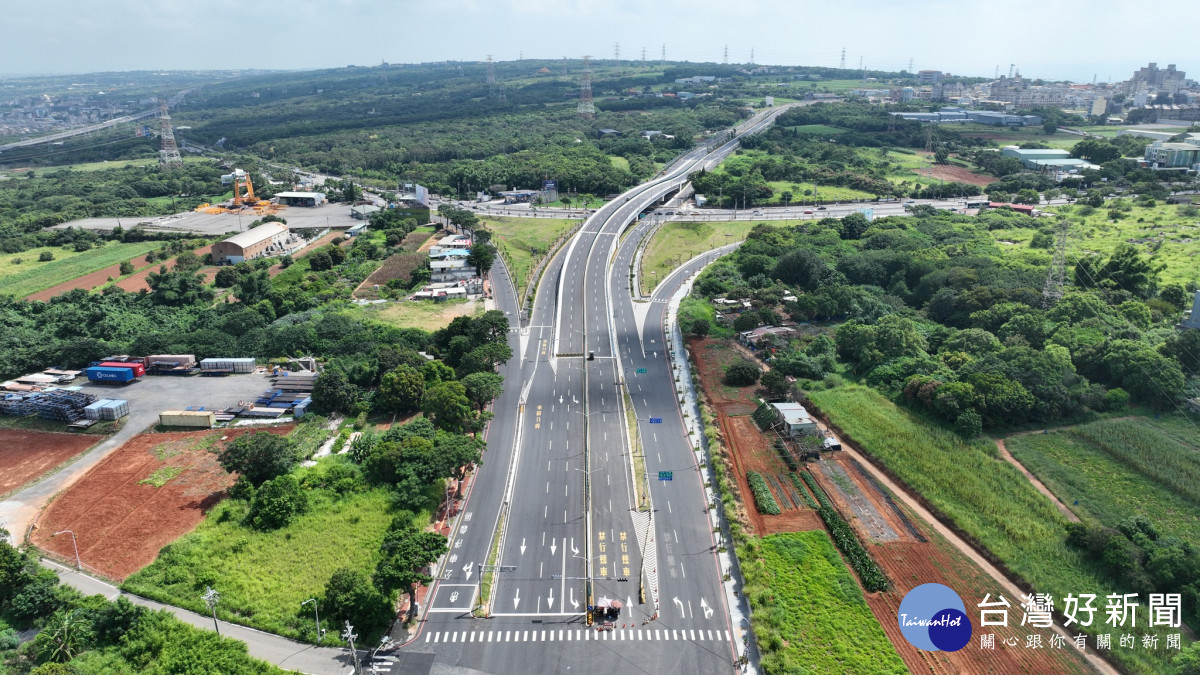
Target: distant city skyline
1049, 39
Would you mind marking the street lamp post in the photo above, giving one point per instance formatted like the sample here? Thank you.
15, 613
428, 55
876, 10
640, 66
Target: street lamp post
383, 643
316, 616
74, 543
349, 636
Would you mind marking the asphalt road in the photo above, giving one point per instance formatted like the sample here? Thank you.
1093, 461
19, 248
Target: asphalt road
557, 489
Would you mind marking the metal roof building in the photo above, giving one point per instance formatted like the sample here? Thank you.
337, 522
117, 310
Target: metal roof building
263, 241
300, 198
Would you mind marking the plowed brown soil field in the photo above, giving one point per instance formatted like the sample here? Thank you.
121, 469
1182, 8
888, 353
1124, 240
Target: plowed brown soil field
121, 523
28, 455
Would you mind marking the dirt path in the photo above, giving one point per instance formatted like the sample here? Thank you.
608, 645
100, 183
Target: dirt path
1070, 515
1010, 588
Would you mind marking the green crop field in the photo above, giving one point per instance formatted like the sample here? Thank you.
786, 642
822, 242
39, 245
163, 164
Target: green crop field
678, 242
31, 276
1116, 469
523, 242
982, 495
1017, 135
264, 576
1169, 234
808, 613
823, 129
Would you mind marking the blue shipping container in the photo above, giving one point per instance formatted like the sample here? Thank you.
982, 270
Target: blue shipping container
108, 374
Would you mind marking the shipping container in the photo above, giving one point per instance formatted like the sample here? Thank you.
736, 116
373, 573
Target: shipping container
92, 412
204, 419
106, 374
138, 368
245, 365
170, 360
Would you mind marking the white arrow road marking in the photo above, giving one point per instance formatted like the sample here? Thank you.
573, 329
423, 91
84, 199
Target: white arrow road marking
574, 602
552, 546
550, 600
574, 550
522, 546
560, 399
467, 569
629, 604
679, 604
517, 599
708, 611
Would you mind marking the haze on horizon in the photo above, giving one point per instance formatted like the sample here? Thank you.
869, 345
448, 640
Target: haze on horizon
1050, 39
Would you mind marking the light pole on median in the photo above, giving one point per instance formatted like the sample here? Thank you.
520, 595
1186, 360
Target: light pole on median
74, 543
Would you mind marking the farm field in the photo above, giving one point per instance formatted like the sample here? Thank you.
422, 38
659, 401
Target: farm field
677, 242
1097, 465
808, 613
823, 129
262, 579
121, 519
1017, 135
985, 497
524, 241
32, 276
1164, 227
28, 455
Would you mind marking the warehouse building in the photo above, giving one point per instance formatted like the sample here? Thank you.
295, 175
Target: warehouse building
264, 241
300, 198
1160, 155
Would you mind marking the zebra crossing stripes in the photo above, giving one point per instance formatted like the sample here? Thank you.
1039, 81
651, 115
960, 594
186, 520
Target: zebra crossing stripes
579, 634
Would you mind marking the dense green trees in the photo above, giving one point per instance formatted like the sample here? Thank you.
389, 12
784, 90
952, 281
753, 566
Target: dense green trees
259, 456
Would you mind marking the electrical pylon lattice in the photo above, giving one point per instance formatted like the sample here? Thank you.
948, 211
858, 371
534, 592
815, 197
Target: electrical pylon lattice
586, 107
168, 156
1056, 280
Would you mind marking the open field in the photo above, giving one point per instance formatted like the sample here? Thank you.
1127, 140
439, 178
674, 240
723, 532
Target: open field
115, 164
1092, 475
1016, 135
678, 242
985, 498
424, 314
822, 129
816, 193
1164, 231
523, 242
28, 455
32, 276
263, 577
808, 613
120, 517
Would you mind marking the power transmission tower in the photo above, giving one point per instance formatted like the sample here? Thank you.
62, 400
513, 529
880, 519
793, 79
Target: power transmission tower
861, 68
565, 71
910, 64
1057, 278
664, 54
586, 108
726, 58
491, 77
643, 57
842, 64
997, 75
752, 56
617, 53
168, 156
500, 97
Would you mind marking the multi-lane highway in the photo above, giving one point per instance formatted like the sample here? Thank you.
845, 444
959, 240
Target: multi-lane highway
558, 514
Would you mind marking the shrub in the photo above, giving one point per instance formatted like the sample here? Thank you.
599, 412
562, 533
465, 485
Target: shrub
763, 498
277, 502
45, 256
741, 374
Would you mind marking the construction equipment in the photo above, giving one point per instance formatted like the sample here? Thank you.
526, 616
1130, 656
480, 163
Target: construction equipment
243, 197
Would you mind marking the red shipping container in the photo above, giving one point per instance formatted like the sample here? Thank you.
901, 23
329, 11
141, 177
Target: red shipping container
138, 368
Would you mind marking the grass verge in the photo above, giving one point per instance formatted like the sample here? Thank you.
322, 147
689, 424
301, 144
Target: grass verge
808, 614
524, 241
488, 578
678, 242
31, 276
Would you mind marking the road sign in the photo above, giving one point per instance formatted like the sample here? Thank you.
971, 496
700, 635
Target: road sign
641, 371
666, 475
655, 420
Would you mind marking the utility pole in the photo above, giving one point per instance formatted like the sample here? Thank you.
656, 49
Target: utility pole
643, 57
752, 56
211, 597
349, 636
864, 70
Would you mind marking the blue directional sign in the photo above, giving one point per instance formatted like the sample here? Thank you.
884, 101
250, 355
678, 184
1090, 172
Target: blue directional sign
666, 475
641, 371
655, 420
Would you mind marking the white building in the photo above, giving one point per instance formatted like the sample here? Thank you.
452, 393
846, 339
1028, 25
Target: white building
795, 418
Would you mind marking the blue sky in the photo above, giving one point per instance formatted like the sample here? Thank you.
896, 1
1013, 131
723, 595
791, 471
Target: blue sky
1054, 39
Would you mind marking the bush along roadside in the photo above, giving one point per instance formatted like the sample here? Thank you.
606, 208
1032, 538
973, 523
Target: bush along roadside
873, 578
763, 498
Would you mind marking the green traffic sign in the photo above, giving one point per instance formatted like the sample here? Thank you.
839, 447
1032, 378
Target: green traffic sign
641, 371
666, 475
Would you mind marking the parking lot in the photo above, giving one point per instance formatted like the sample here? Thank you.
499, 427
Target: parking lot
336, 216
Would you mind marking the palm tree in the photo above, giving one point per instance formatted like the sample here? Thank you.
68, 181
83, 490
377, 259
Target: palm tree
65, 636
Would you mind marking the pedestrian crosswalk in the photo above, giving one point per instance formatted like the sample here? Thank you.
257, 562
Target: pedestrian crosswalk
577, 635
